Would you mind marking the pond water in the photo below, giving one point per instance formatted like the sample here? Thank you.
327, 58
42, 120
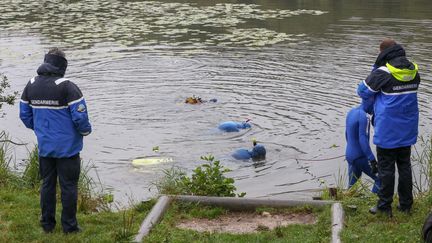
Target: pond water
292, 67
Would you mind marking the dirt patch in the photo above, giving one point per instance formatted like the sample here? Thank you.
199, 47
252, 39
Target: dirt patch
241, 222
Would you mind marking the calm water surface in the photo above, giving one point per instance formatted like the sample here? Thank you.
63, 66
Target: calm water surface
292, 67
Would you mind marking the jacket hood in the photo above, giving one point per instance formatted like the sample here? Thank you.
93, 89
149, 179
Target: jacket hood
403, 74
389, 54
53, 65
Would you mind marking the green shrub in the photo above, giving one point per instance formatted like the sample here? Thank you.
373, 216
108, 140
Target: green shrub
209, 180
4, 85
206, 180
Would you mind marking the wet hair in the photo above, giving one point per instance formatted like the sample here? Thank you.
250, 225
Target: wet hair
56, 51
386, 43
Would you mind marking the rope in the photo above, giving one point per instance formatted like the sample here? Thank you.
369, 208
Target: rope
337, 157
3, 135
12, 142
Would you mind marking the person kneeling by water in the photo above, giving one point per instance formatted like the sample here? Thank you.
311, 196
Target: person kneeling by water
231, 126
358, 152
258, 152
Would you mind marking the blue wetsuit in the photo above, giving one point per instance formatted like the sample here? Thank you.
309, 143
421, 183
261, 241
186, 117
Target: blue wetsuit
358, 152
231, 126
257, 153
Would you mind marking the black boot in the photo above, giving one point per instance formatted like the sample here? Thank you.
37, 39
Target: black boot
376, 210
404, 210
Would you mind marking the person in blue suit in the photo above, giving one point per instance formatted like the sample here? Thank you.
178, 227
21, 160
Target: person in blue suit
231, 126
257, 153
358, 152
55, 109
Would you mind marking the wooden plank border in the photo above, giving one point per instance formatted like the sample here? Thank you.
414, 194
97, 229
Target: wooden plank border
153, 217
337, 222
236, 203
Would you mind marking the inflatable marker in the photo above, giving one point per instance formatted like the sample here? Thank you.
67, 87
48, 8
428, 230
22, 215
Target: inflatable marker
151, 160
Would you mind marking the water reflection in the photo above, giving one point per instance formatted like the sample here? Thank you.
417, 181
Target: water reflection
82, 24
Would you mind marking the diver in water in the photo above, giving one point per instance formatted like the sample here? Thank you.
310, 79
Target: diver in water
257, 153
198, 100
231, 126
358, 152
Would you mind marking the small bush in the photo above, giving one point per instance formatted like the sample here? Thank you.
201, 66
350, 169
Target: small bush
206, 180
209, 180
6, 98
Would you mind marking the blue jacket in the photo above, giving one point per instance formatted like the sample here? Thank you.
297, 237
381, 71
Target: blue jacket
392, 91
357, 135
55, 109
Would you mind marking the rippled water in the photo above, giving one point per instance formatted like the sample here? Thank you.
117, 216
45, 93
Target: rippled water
292, 68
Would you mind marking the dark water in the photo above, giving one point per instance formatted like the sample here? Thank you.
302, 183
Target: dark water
292, 67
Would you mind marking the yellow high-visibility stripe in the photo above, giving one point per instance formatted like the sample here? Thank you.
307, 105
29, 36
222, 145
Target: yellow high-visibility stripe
403, 75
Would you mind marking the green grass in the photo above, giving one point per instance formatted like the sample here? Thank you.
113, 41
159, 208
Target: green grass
20, 208
361, 226
20, 212
167, 232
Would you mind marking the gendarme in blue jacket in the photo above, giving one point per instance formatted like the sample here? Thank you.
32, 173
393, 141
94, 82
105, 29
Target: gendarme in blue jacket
55, 109
392, 90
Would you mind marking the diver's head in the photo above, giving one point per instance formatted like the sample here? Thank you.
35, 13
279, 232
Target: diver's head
245, 124
258, 152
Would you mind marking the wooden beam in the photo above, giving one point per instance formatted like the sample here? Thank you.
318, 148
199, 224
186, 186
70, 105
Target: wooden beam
337, 222
241, 203
153, 217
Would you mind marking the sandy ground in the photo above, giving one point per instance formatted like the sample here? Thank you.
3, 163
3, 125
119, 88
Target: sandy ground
243, 222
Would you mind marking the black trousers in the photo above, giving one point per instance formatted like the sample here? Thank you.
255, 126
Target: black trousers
387, 158
67, 170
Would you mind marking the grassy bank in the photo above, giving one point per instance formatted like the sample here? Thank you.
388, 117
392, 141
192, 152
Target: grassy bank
361, 226
20, 212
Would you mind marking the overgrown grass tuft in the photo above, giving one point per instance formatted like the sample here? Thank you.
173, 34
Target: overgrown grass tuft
126, 232
89, 199
7, 177
170, 183
31, 175
422, 162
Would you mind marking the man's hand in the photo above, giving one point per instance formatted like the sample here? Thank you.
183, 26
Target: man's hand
374, 167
